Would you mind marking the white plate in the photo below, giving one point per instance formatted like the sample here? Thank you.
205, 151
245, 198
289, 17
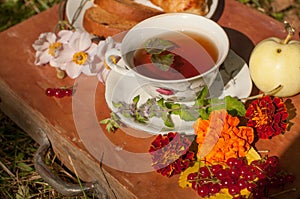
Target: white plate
72, 6
122, 88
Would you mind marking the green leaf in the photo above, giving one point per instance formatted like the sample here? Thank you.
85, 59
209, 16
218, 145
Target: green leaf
163, 62
24, 167
158, 45
140, 118
160, 102
235, 106
111, 123
200, 101
186, 115
117, 104
203, 113
136, 99
114, 116
167, 120
126, 113
105, 121
216, 104
176, 108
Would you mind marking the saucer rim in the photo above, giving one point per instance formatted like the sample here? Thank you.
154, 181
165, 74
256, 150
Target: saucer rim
109, 86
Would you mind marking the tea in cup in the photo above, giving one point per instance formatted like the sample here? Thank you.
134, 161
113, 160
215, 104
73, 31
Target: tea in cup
173, 55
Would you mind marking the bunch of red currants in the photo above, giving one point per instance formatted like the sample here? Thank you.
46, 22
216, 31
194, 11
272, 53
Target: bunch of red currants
59, 92
236, 174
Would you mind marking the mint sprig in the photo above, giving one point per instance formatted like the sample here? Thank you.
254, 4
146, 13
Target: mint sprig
158, 45
163, 62
163, 109
157, 48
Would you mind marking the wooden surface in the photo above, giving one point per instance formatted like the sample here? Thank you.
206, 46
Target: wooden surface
72, 125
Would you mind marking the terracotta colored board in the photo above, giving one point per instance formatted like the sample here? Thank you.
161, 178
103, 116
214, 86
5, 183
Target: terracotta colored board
23, 84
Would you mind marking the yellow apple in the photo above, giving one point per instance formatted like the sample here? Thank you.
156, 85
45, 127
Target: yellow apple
275, 63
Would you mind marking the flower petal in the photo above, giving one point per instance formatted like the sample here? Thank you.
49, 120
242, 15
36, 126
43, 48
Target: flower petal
42, 57
66, 54
80, 41
73, 70
86, 69
64, 35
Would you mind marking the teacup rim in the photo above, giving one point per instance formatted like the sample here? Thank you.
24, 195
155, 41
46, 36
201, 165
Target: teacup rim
213, 68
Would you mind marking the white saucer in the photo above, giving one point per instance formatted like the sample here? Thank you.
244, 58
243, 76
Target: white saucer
122, 88
72, 6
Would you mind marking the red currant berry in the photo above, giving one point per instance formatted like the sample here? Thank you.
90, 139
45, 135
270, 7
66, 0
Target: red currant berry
241, 162
273, 161
249, 176
251, 187
220, 174
192, 177
216, 167
289, 178
271, 171
226, 182
274, 182
242, 183
203, 190
260, 174
281, 180
234, 173
244, 170
50, 92
204, 172
231, 161
59, 93
68, 92
215, 188
233, 190
262, 183
258, 194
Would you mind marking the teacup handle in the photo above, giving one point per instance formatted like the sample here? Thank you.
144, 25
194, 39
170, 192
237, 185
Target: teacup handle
110, 59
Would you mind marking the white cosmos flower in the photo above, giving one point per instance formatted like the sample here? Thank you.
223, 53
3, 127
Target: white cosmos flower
76, 56
103, 46
48, 46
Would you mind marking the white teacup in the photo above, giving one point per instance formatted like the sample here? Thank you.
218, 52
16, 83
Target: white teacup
164, 81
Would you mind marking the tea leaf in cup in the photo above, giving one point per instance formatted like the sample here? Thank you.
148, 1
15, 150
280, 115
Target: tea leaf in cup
158, 45
163, 62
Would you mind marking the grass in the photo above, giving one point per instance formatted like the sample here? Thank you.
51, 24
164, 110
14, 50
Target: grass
18, 177
15, 11
266, 7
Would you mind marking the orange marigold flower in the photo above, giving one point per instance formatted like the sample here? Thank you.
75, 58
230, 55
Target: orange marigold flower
170, 154
219, 138
268, 116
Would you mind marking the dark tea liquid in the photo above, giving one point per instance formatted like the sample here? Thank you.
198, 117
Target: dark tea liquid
194, 54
